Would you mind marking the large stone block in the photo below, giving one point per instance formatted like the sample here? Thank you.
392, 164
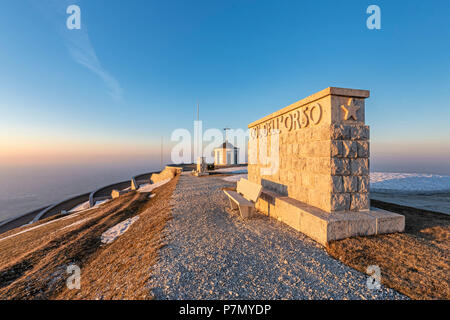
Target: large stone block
349, 224
340, 166
321, 149
291, 177
340, 201
340, 132
167, 173
349, 149
363, 149
350, 183
360, 132
289, 149
337, 184
359, 167
322, 165
347, 110
336, 148
319, 198
387, 222
301, 164
323, 182
287, 215
324, 133
363, 183
359, 201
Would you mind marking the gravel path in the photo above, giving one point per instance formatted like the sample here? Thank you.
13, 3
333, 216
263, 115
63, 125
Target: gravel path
213, 254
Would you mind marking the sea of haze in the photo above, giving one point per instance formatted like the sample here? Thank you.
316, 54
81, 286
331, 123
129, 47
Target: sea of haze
24, 189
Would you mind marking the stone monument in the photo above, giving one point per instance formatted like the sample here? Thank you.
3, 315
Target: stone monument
318, 182
202, 167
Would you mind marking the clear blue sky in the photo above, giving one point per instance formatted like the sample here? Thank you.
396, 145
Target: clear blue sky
136, 70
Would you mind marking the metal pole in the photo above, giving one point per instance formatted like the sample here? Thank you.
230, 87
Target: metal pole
225, 129
161, 152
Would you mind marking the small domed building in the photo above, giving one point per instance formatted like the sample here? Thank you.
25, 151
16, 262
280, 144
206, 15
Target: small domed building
226, 154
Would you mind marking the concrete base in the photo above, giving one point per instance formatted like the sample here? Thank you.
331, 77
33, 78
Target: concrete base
323, 226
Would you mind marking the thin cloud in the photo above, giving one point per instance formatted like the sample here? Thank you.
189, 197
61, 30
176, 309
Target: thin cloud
78, 42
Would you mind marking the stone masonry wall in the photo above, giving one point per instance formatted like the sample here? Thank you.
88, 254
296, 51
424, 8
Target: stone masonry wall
167, 173
323, 151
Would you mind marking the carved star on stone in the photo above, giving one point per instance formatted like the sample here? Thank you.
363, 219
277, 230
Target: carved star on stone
350, 110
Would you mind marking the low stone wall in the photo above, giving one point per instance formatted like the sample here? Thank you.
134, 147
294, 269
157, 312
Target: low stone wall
167, 173
105, 192
19, 221
97, 195
136, 181
65, 205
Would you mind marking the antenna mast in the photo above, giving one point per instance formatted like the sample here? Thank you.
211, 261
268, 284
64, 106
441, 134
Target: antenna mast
226, 129
161, 152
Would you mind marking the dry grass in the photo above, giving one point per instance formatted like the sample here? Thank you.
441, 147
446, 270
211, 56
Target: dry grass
415, 263
33, 264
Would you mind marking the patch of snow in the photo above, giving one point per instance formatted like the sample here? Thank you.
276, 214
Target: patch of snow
149, 187
236, 177
408, 182
80, 207
113, 233
97, 203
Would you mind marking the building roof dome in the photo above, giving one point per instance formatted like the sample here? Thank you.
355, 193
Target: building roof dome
226, 145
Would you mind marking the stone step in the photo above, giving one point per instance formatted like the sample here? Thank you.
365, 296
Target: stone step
387, 222
323, 226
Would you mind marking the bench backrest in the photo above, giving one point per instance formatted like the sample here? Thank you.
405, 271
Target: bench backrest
249, 190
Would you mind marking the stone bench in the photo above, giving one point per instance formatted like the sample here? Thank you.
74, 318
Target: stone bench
245, 197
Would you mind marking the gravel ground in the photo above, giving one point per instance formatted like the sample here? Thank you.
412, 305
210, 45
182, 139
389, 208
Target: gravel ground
212, 254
